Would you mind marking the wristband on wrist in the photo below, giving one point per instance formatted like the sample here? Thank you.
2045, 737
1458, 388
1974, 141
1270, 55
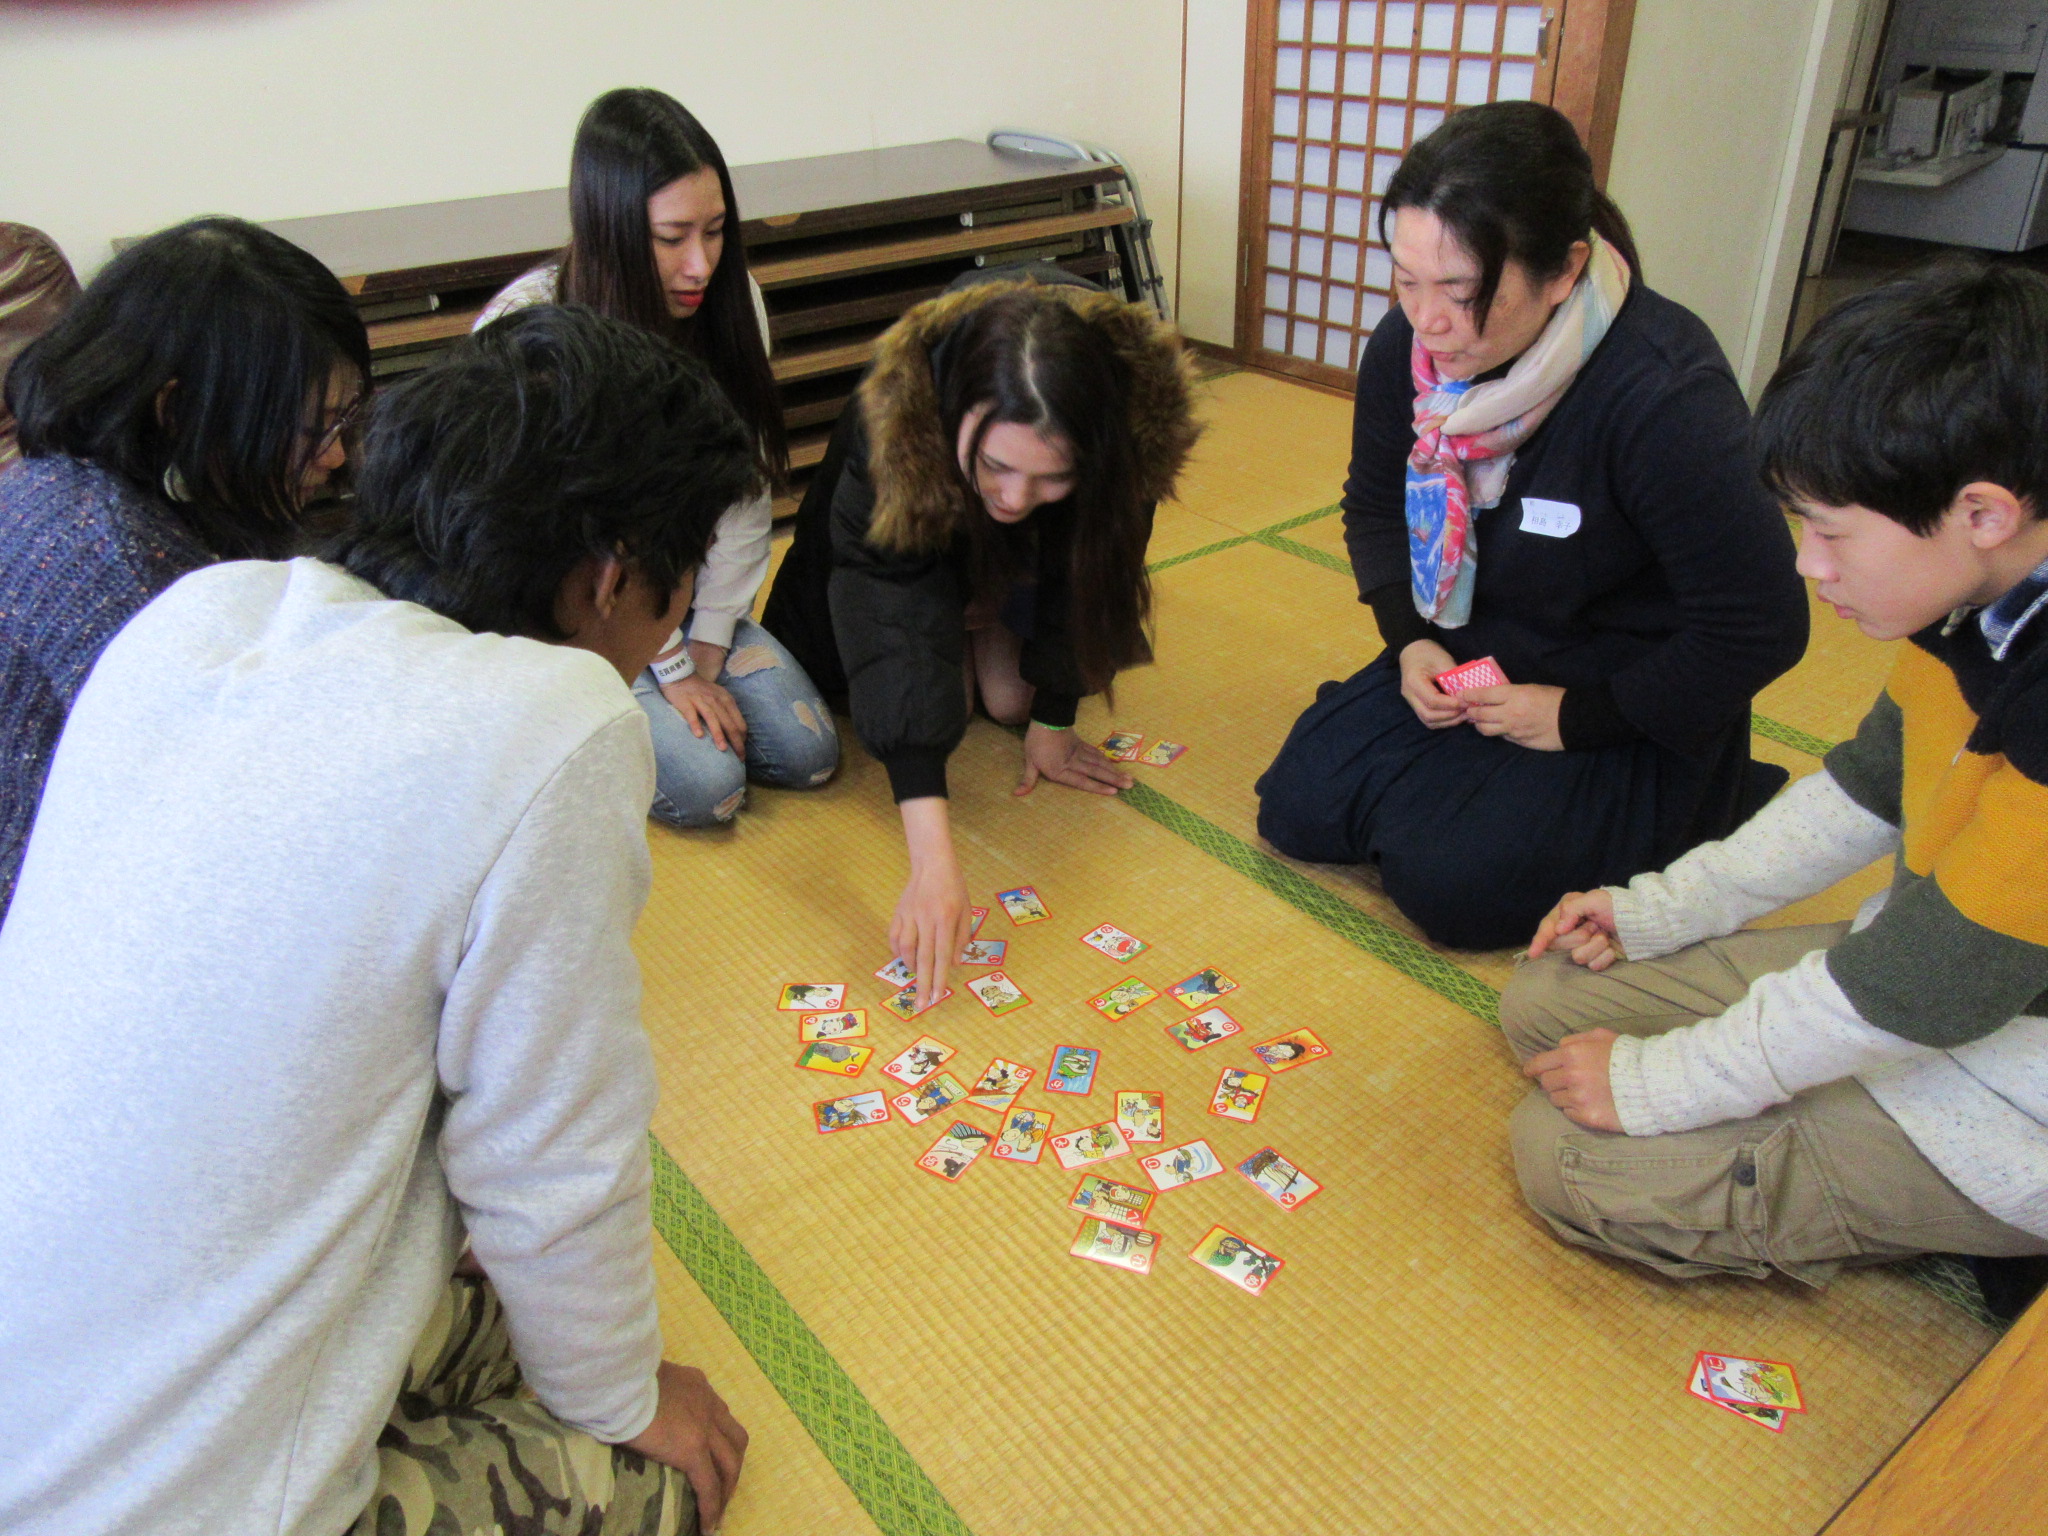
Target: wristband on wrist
671, 669
1044, 727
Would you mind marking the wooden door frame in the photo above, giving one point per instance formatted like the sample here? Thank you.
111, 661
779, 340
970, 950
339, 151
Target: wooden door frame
1585, 59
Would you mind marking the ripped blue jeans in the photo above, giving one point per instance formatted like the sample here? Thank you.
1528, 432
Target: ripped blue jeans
791, 740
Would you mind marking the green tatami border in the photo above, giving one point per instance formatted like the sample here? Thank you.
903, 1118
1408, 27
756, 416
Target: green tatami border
895, 1491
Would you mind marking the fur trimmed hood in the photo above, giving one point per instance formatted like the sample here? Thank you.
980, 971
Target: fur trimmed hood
912, 467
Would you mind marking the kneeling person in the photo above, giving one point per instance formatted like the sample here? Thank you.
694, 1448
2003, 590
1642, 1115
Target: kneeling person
347, 977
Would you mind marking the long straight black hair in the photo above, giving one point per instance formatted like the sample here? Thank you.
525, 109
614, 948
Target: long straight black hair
248, 329
631, 143
1511, 182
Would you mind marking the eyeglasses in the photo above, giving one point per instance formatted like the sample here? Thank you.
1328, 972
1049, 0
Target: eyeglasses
340, 425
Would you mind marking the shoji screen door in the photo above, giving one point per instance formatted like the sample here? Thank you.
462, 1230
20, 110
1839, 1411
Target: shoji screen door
1337, 91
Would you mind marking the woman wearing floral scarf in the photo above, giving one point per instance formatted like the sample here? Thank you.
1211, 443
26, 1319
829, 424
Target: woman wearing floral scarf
1550, 469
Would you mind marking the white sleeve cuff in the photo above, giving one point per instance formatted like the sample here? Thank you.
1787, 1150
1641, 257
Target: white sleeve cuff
713, 627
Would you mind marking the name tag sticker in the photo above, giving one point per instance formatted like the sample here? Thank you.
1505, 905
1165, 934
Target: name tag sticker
1552, 519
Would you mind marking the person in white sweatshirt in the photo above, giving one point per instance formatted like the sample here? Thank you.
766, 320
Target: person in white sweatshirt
345, 981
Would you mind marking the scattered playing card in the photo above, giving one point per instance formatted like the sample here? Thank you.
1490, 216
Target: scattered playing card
896, 974
1123, 999
1278, 1179
1202, 989
1072, 1069
1189, 1163
831, 1056
904, 1003
1763, 1383
999, 1085
980, 916
1121, 1247
1285, 1052
1115, 943
1090, 1144
919, 1060
1772, 1419
997, 993
1238, 1094
1204, 1028
850, 1025
954, 1153
1244, 1264
807, 996
1122, 746
1161, 753
1141, 1114
867, 1108
1097, 1196
1023, 1135
983, 952
1483, 673
1023, 905
926, 1100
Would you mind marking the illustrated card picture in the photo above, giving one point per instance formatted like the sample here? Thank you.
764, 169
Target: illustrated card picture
1072, 1069
1773, 1419
1115, 943
1141, 1114
1297, 1048
998, 994
1483, 673
1112, 1243
927, 1099
904, 1003
1204, 1028
869, 1108
983, 952
1091, 1144
978, 916
835, 1057
1189, 1163
1023, 905
1760, 1383
1161, 754
997, 1087
1123, 999
1238, 1094
812, 996
1278, 1179
1097, 1196
896, 974
918, 1061
1022, 1138
851, 1024
954, 1152
1202, 989
1122, 746
1243, 1263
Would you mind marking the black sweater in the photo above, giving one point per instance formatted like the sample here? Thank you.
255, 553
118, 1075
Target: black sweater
1675, 600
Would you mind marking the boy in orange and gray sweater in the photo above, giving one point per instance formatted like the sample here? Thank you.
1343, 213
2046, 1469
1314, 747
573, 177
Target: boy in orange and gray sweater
1802, 1098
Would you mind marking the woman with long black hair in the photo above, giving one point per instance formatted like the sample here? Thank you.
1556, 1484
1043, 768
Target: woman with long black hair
654, 240
1550, 468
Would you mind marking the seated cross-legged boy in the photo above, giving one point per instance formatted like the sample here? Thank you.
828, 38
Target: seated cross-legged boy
1809, 1097
344, 978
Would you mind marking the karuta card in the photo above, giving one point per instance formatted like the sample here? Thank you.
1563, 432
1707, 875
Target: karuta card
1161, 754
1097, 1196
1202, 989
1022, 1139
997, 1088
1090, 1144
1238, 1095
1115, 943
983, 952
1114, 1244
1189, 1163
980, 916
997, 993
1764, 1383
1285, 1052
1072, 1069
869, 1108
927, 1099
904, 1003
1022, 905
1244, 1264
1278, 1179
850, 1025
1483, 673
918, 1061
1122, 746
1141, 1114
834, 1057
896, 974
954, 1153
1204, 1028
810, 996
1772, 1419
1123, 999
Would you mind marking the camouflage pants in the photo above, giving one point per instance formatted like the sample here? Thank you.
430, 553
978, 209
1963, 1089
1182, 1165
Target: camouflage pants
468, 1452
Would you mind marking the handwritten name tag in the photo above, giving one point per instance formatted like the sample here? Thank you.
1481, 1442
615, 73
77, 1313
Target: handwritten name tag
1552, 519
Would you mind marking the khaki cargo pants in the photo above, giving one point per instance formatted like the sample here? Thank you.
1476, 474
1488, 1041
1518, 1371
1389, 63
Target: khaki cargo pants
467, 1452
1821, 1181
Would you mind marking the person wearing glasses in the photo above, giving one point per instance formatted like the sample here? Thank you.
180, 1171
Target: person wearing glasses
182, 412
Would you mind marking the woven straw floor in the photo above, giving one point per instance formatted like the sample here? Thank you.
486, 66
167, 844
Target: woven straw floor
916, 1356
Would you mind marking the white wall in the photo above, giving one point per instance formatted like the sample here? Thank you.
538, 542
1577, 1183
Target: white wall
121, 119
1214, 127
